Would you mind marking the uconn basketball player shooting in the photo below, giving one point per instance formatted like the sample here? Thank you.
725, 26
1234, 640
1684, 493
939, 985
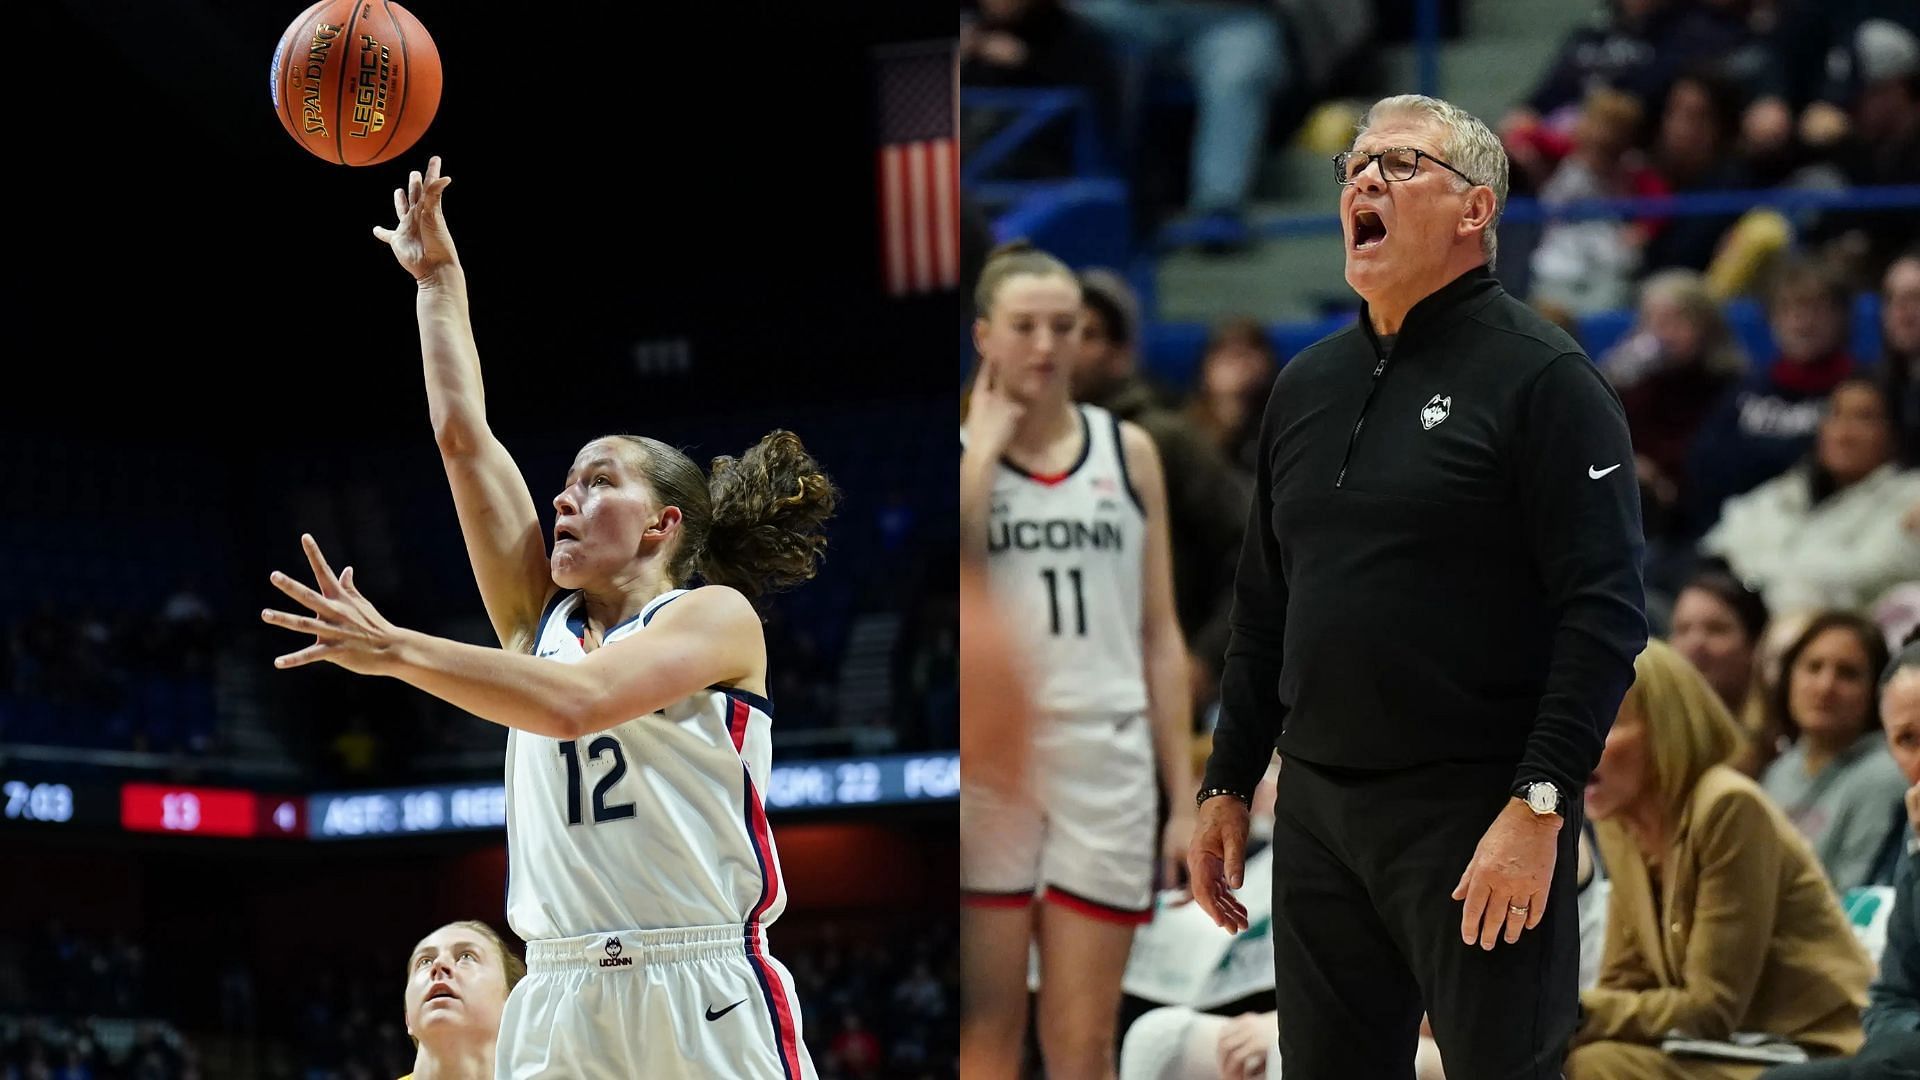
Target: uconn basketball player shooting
642, 874
1069, 505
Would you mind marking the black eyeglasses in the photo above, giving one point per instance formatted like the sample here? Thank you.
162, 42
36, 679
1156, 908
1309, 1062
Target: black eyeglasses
1396, 163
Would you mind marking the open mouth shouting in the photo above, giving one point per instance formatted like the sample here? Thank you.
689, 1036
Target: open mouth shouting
1368, 230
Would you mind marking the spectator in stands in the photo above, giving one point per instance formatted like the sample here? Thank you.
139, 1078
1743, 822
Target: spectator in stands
458, 979
1670, 372
1836, 782
855, 1050
1207, 504
1762, 426
1900, 350
1719, 919
1696, 149
1892, 1020
1036, 43
1639, 50
1236, 376
1587, 265
1828, 532
1812, 75
1239, 56
1718, 624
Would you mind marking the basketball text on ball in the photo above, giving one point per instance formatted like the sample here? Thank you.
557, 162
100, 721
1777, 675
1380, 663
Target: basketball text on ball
317, 50
370, 100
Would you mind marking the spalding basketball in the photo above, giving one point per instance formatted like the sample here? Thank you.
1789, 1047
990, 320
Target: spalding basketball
356, 81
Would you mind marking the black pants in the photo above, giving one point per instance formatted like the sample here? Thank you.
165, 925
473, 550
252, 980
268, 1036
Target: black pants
1894, 1056
1366, 933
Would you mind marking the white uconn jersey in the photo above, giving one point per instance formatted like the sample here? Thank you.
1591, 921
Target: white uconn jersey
655, 823
1065, 555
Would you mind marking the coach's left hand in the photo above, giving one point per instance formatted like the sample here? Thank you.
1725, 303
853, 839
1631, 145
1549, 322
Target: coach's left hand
1512, 867
347, 630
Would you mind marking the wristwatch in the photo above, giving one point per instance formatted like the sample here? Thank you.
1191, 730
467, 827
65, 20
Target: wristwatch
1541, 796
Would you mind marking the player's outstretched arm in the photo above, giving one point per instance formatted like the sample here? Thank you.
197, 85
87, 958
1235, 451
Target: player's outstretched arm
710, 637
497, 515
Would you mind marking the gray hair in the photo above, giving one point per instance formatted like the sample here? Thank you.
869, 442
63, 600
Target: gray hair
1468, 145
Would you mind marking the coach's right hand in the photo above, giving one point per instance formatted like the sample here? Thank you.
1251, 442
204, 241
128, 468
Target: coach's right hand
421, 242
1217, 861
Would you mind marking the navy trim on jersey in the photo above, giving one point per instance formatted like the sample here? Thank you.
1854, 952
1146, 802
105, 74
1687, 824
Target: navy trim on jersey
747, 696
1086, 451
553, 603
646, 617
1126, 478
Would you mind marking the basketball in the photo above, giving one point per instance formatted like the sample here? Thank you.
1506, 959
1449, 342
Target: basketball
356, 82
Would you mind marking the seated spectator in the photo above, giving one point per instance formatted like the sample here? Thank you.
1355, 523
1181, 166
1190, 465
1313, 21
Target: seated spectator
1835, 782
1828, 532
1239, 58
1696, 149
1638, 50
1588, 265
1720, 920
1766, 423
1036, 43
1872, 138
1206, 501
1670, 372
1802, 94
1892, 1020
1236, 377
1900, 350
1718, 624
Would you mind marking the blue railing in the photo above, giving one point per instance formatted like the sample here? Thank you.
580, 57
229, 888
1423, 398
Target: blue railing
1530, 210
1034, 111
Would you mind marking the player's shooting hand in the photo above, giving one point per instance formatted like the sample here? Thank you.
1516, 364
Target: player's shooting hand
991, 413
421, 241
347, 630
1217, 859
1512, 867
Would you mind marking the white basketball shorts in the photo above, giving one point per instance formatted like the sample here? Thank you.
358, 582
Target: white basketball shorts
1086, 839
694, 1002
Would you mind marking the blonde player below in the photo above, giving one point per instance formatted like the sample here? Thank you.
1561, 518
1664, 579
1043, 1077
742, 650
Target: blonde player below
458, 979
642, 872
1068, 505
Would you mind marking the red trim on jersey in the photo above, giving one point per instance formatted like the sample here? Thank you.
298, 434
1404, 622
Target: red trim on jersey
786, 1031
996, 900
737, 723
1049, 479
1093, 909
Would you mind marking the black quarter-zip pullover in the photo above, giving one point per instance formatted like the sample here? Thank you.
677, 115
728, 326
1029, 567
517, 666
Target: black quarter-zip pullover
1442, 561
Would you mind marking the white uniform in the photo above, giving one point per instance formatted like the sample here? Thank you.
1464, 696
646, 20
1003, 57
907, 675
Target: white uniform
642, 875
1065, 556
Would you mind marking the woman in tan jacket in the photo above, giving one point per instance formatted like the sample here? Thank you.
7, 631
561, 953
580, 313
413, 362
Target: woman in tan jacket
1721, 919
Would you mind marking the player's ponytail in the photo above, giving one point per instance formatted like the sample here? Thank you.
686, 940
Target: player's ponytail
755, 523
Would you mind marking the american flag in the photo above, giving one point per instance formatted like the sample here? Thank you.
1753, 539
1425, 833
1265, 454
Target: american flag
919, 169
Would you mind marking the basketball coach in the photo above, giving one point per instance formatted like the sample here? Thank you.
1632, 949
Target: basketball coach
1437, 609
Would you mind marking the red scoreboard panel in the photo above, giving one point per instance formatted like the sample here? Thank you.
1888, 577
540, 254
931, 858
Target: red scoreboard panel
165, 808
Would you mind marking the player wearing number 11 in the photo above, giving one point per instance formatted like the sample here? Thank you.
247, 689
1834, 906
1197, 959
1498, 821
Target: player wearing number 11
1069, 506
642, 870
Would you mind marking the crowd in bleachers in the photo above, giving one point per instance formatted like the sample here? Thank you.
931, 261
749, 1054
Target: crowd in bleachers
879, 999
1650, 97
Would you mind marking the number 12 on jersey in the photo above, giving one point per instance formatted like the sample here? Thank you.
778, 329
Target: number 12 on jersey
601, 811
1079, 601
